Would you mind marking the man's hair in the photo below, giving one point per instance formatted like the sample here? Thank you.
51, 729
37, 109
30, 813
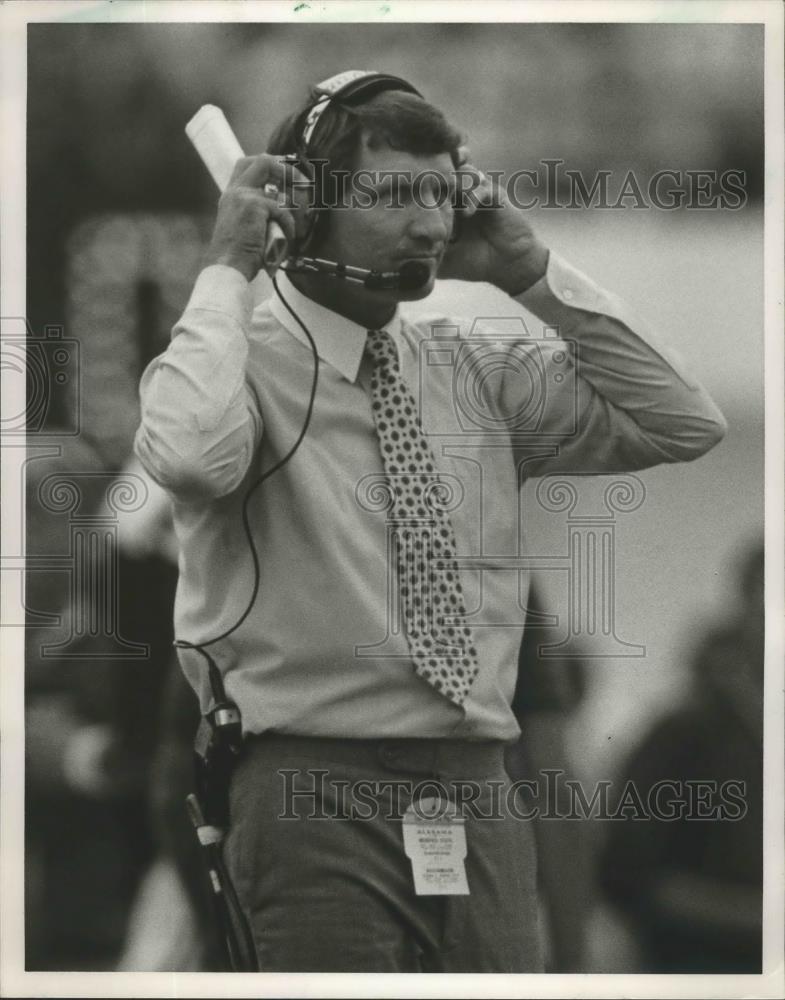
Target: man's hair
394, 118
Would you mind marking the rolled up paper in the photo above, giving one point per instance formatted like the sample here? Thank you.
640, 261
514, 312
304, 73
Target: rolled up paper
217, 145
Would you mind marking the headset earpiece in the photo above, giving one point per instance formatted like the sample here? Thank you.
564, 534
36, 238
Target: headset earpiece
303, 202
349, 88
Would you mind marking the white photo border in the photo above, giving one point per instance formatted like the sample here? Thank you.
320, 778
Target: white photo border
14, 981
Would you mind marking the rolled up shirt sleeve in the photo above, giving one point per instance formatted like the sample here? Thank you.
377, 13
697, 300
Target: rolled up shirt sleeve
200, 421
629, 402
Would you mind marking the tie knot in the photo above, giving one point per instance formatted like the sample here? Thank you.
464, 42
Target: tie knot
382, 349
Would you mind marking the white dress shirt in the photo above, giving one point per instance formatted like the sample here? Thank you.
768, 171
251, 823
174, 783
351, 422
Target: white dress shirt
318, 652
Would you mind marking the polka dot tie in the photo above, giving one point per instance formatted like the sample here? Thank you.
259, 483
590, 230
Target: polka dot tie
429, 587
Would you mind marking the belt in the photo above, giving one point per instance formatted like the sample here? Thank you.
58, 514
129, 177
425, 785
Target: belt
416, 756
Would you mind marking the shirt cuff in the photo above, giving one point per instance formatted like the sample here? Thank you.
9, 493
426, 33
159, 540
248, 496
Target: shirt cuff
563, 289
223, 289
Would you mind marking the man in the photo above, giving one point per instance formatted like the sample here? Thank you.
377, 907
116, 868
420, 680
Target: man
371, 645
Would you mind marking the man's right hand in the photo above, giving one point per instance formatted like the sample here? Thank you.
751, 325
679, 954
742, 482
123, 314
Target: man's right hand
245, 211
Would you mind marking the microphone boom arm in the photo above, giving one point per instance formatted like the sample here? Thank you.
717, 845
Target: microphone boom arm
413, 274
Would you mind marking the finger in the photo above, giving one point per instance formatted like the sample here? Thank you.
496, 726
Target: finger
296, 191
285, 220
249, 206
464, 155
480, 194
484, 192
294, 175
287, 176
256, 171
239, 168
281, 208
272, 191
467, 182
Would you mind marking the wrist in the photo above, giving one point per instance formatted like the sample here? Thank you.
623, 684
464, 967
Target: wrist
247, 267
524, 270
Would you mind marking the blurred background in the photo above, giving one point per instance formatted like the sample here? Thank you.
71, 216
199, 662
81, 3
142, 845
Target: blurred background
118, 210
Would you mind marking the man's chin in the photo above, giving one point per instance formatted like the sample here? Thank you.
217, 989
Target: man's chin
415, 294
420, 291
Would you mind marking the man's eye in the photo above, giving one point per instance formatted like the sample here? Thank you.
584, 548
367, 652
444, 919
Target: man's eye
436, 192
447, 193
398, 193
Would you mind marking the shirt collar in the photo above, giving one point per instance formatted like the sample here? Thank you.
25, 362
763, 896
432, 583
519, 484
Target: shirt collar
339, 341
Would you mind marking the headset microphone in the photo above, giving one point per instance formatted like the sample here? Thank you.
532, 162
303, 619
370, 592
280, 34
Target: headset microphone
412, 275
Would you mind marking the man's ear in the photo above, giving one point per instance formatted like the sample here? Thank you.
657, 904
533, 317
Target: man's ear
307, 217
310, 225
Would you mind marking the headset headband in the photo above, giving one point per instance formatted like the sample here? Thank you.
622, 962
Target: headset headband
353, 86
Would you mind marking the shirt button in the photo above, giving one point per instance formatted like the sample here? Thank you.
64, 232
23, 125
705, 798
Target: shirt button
568, 293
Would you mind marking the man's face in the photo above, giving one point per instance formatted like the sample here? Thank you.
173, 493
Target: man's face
409, 215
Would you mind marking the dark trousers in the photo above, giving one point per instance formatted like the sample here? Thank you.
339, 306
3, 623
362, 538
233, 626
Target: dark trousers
319, 864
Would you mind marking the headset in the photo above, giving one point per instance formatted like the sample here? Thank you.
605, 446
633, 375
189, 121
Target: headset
219, 740
348, 89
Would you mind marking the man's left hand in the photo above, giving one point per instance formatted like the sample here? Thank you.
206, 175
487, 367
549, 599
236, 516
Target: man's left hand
495, 244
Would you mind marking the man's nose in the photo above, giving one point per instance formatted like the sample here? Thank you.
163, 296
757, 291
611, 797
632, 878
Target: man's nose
431, 223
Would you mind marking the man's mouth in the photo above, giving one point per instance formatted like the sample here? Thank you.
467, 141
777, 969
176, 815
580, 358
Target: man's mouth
426, 258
